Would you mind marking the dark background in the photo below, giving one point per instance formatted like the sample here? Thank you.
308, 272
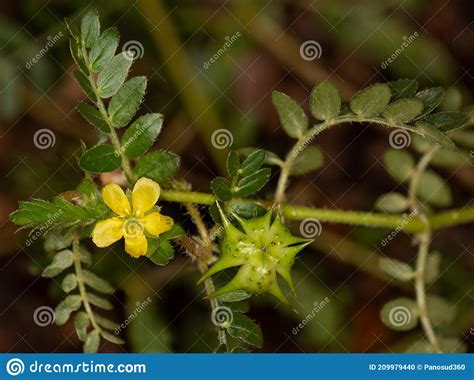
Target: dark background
178, 38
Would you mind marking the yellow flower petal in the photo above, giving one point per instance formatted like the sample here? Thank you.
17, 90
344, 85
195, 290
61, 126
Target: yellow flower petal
107, 232
156, 224
136, 246
115, 198
144, 196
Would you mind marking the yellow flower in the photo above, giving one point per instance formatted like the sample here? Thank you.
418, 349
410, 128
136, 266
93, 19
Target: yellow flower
131, 221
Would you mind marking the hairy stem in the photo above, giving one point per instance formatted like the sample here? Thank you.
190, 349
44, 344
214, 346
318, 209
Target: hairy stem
80, 282
370, 219
125, 163
202, 263
424, 239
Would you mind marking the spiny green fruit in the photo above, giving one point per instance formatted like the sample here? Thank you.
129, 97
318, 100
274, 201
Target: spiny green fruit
262, 249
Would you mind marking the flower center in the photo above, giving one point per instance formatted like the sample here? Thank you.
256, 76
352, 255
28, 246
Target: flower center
132, 227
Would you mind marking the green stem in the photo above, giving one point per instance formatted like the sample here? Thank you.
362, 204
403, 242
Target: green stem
293, 212
424, 239
80, 283
125, 163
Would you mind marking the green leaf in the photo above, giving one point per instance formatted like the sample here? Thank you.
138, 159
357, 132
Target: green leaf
270, 157
103, 49
252, 163
56, 241
163, 253
175, 231
307, 161
76, 53
392, 203
93, 116
91, 346
85, 85
464, 138
397, 269
46, 215
292, 116
69, 282
253, 183
245, 329
400, 314
81, 324
399, 164
403, 110
124, 104
247, 210
61, 261
432, 134
371, 101
142, 134
66, 307
100, 158
433, 189
233, 163
90, 28
403, 88
112, 77
97, 283
235, 296
106, 323
158, 166
447, 121
432, 267
221, 187
325, 101
111, 337
99, 301
440, 311
431, 98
